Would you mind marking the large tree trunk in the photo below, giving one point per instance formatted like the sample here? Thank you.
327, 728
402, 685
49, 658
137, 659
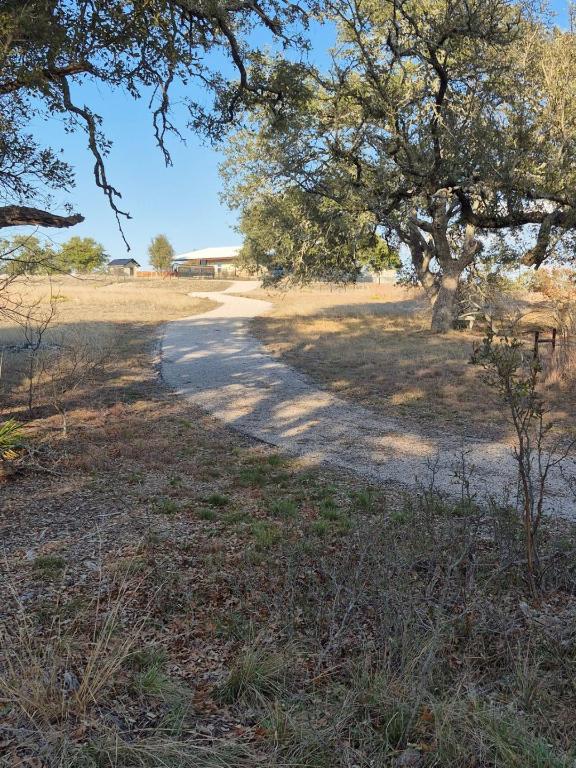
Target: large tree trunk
445, 307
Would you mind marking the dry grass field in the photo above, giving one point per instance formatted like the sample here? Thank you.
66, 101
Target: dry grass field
113, 319
372, 344
173, 595
98, 303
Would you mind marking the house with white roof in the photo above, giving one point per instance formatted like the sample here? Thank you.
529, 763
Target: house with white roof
208, 262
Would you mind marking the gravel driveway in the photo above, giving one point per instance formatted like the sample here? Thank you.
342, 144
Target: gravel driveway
214, 361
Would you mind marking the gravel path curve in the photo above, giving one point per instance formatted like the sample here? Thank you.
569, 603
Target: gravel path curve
214, 361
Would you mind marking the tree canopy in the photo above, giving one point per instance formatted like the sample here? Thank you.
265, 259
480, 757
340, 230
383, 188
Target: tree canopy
161, 253
451, 122
81, 255
310, 238
25, 255
51, 48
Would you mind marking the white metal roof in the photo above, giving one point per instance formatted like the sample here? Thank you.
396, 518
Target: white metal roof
227, 252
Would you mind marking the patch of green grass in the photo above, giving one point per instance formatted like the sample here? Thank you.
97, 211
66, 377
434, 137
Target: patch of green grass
172, 723
399, 516
46, 611
266, 535
151, 677
166, 506
135, 478
284, 508
325, 492
143, 659
336, 521
205, 513
157, 748
320, 527
217, 500
329, 510
49, 565
300, 741
234, 518
155, 682
257, 673
257, 476
466, 731
364, 500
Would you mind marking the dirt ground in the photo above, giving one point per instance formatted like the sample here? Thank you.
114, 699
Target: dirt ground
372, 344
173, 594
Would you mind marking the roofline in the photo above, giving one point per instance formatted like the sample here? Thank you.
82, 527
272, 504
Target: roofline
198, 253
203, 258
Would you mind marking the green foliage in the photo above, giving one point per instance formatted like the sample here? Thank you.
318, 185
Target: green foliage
257, 476
439, 133
378, 255
161, 253
10, 437
265, 534
166, 506
309, 238
26, 255
284, 508
82, 255
513, 373
50, 50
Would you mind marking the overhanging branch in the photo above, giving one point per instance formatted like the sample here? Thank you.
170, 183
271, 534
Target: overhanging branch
20, 215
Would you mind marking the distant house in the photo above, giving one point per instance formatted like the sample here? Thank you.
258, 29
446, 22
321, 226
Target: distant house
208, 262
123, 267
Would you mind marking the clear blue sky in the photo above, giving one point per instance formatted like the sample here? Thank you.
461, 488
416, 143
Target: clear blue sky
181, 201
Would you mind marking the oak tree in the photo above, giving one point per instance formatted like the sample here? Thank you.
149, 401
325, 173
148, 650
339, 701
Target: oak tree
452, 122
309, 237
51, 49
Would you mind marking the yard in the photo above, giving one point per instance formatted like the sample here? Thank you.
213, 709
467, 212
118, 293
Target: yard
108, 318
177, 595
372, 344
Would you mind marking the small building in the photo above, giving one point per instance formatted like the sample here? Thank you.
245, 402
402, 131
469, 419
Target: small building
123, 267
208, 262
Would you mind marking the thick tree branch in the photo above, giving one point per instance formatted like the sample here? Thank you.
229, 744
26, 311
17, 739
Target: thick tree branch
20, 215
48, 73
510, 219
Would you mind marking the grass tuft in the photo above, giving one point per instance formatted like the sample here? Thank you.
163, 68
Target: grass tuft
284, 508
257, 673
49, 565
